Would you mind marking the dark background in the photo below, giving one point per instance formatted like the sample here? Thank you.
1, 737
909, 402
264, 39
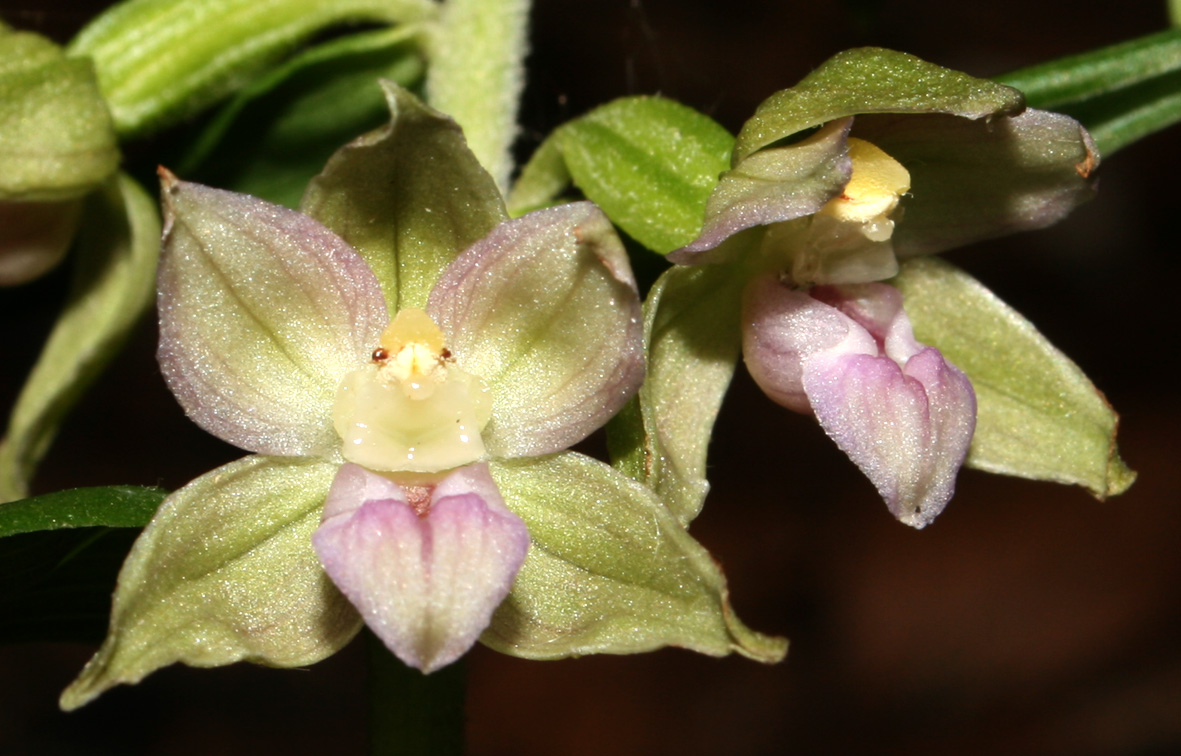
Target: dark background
1029, 619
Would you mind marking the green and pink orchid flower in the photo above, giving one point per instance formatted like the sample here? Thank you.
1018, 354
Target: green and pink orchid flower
785, 238
408, 368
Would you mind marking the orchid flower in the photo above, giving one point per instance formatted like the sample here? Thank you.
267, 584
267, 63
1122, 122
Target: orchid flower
940, 159
409, 416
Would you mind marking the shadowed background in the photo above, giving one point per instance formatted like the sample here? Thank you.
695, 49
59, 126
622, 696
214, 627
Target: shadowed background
1029, 619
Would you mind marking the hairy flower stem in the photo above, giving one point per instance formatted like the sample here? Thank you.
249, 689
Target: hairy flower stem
477, 53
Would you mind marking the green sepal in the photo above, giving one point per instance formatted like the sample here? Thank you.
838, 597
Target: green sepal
609, 571
109, 506
872, 80
693, 339
112, 287
650, 163
225, 572
276, 134
160, 61
56, 137
409, 197
1038, 416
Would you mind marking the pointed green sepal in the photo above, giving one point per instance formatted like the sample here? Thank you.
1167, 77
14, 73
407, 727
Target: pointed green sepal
1038, 416
225, 572
692, 333
112, 287
161, 61
409, 197
610, 571
56, 137
872, 80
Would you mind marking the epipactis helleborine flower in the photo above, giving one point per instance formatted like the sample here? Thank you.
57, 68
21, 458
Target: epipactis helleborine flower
415, 532
410, 396
940, 159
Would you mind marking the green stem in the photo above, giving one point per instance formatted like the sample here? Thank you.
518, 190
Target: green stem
412, 714
477, 54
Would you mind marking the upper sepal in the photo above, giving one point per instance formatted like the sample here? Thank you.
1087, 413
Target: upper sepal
262, 313
872, 80
409, 197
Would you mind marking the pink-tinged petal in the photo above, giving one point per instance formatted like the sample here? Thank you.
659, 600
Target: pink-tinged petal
908, 429
545, 312
262, 313
771, 186
781, 328
425, 584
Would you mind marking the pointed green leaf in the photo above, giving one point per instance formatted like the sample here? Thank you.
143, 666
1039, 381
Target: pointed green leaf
872, 80
274, 136
56, 138
650, 163
113, 279
1038, 416
160, 61
225, 572
111, 506
409, 197
609, 571
692, 329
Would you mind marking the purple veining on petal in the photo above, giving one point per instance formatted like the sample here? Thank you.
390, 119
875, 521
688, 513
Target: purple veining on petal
425, 584
262, 312
545, 311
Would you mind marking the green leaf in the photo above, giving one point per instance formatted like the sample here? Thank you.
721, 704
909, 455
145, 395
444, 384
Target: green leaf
111, 506
1038, 416
160, 61
650, 163
692, 332
409, 197
56, 138
225, 572
1097, 72
609, 571
113, 282
277, 133
872, 80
